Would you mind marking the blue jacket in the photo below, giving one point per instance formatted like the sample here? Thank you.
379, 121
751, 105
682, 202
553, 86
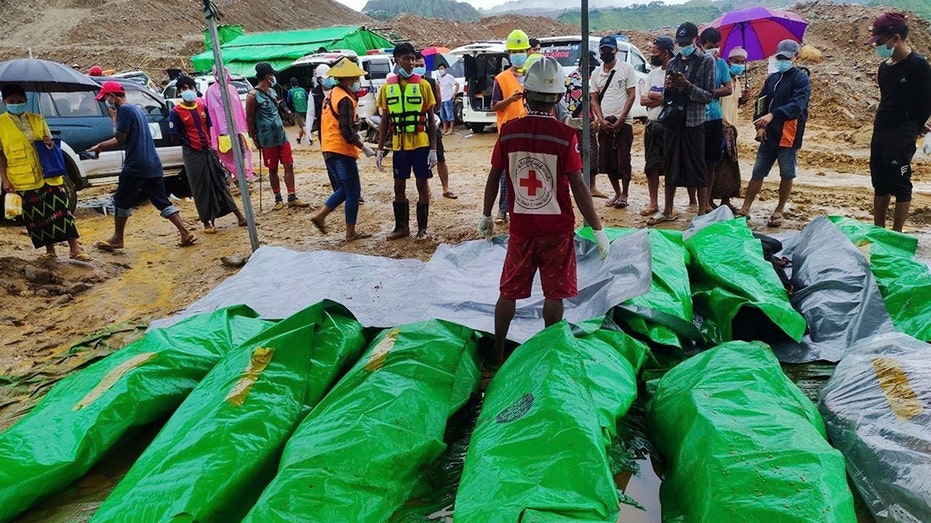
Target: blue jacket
786, 97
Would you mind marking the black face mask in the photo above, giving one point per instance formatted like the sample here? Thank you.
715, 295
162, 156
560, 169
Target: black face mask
656, 60
607, 58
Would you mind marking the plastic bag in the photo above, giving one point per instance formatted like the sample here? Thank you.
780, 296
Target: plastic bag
86, 414
214, 456
735, 290
12, 205
876, 411
742, 443
358, 454
539, 449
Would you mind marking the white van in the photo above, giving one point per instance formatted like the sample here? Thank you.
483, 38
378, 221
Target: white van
242, 86
481, 62
567, 51
377, 66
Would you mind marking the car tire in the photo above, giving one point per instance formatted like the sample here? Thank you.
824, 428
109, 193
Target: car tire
477, 128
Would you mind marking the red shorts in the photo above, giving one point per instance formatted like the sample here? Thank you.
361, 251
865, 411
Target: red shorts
282, 153
553, 255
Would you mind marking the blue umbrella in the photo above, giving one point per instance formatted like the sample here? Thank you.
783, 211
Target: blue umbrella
33, 74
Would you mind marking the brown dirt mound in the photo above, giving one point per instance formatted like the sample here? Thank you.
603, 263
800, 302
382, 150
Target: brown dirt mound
426, 32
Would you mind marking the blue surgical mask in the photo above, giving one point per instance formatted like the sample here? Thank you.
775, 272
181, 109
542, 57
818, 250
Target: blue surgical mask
403, 73
783, 65
274, 81
329, 83
518, 59
737, 69
16, 109
189, 96
687, 50
356, 86
110, 105
884, 52
420, 71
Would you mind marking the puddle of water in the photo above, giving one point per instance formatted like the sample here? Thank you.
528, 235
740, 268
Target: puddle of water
644, 489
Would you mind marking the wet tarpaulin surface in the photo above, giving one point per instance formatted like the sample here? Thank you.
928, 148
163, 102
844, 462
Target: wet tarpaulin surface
458, 284
835, 292
876, 409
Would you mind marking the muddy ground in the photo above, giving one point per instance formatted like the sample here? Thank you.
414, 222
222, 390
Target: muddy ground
49, 305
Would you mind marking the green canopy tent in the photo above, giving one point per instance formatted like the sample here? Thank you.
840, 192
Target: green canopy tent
280, 48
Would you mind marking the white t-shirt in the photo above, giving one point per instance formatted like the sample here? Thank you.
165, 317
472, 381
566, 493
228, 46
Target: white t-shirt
656, 83
612, 103
447, 84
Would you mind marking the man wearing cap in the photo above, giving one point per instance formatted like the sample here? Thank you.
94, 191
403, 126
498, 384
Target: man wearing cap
709, 42
267, 131
612, 88
319, 91
780, 114
904, 107
297, 101
507, 98
651, 97
407, 102
539, 157
689, 85
95, 70
341, 145
142, 169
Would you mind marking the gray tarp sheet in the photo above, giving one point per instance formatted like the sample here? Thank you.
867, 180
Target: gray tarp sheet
458, 284
877, 410
835, 292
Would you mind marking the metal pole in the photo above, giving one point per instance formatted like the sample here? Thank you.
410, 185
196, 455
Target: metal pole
586, 101
211, 13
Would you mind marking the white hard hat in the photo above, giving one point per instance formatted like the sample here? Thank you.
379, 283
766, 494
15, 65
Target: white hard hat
321, 70
545, 76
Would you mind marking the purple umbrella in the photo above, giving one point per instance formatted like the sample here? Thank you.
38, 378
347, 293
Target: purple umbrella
758, 30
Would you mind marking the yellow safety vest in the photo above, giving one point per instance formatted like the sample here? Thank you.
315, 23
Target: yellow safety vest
22, 163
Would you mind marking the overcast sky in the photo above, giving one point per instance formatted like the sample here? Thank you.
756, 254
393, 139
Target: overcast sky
483, 4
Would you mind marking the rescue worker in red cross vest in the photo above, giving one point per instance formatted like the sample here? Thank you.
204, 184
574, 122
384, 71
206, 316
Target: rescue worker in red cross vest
540, 157
407, 103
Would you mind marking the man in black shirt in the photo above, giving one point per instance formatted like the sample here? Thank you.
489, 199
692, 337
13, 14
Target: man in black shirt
905, 104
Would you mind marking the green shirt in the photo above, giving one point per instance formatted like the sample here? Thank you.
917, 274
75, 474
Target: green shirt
298, 97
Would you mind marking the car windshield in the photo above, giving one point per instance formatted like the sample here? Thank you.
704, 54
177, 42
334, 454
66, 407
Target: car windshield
376, 69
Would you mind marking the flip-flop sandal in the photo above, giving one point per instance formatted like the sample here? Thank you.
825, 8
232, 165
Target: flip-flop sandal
319, 225
450, 195
660, 218
48, 256
649, 211
210, 230
81, 256
598, 194
774, 221
611, 202
187, 242
741, 214
620, 203
358, 236
104, 245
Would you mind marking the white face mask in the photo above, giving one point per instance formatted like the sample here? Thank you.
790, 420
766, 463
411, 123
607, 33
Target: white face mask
442, 72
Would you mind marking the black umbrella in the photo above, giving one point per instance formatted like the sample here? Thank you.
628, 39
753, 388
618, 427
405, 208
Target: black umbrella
44, 76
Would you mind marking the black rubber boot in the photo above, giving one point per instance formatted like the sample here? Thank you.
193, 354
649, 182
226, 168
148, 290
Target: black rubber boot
402, 220
423, 211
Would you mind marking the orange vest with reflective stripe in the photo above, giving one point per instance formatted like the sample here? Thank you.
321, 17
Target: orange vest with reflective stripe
332, 140
509, 84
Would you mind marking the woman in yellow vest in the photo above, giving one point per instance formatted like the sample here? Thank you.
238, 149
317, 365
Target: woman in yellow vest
45, 202
341, 145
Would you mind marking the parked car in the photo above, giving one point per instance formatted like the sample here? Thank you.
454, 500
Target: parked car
170, 93
81, 122
481, 62
377, 66
567, 50
140, 77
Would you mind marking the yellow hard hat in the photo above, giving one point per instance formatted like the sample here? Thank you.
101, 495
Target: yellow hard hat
517, 41
530, 60
344, 68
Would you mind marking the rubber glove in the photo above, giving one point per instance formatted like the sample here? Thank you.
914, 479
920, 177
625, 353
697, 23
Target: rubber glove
367, 151
431, 159
378, 157
604, 246
486, 226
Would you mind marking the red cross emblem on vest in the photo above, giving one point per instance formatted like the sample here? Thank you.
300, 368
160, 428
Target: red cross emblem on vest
531, 182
